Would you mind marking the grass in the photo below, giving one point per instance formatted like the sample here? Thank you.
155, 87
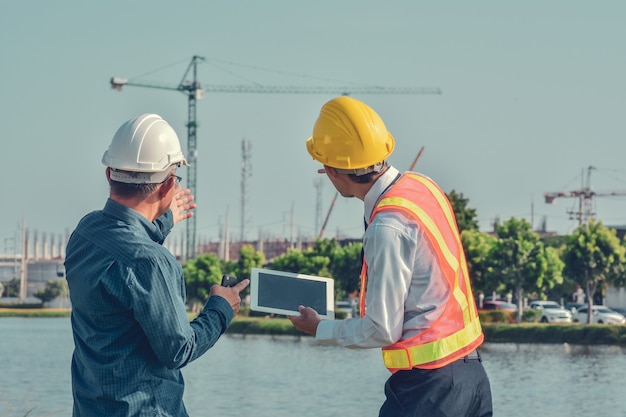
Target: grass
35, 312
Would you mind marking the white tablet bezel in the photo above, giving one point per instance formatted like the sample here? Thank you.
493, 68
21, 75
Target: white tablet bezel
254, 293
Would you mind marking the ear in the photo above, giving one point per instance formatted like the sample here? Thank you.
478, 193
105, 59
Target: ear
166, 186
331, 172
108, 174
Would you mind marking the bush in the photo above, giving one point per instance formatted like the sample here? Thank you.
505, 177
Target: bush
340, 314
574, 334
497, 316
263, 326
531, 315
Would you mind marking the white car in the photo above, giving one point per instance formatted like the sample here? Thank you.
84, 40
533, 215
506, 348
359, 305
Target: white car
601, 314
552, 312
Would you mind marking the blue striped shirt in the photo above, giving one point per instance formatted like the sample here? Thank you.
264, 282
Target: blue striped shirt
130, 326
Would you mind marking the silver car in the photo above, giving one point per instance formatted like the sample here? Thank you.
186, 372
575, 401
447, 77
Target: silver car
601, 314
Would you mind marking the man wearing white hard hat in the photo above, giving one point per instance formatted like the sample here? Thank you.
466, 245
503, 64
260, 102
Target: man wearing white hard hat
129, 321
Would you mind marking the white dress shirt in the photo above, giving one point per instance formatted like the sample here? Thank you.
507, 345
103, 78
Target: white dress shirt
406, 290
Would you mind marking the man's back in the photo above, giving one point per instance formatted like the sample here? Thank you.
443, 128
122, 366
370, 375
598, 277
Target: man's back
118, 307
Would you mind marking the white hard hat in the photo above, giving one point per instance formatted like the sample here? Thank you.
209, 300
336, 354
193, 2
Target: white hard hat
143, 151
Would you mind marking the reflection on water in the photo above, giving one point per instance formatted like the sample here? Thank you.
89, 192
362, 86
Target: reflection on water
285, 376
559, 380
266, 376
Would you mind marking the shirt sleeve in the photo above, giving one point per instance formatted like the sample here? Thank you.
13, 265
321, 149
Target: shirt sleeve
158, 298
389, 254
165, 223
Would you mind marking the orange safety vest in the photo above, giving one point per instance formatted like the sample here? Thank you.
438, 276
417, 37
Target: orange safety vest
457, 332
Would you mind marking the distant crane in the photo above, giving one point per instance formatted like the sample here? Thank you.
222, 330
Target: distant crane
194, 91
585, 197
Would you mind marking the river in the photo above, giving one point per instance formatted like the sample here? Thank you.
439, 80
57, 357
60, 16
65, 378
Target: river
264, 376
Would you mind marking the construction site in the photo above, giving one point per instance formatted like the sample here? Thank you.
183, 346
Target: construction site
36, 257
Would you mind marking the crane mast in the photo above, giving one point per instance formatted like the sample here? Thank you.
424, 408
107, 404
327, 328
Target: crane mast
194, 91
192, 127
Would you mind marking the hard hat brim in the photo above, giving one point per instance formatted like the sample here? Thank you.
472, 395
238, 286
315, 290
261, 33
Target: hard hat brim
135, 177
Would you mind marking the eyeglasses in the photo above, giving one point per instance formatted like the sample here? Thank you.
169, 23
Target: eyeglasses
176, 178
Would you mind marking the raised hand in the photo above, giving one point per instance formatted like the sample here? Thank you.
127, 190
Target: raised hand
182, 205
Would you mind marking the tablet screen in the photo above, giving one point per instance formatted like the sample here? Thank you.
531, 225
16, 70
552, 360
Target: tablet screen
281, 292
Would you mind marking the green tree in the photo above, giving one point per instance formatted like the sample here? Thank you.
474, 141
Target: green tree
54, 288
520, 262
465, 216
12, 288
556, 241
325, 247
594, 257
200, 274
345, 268
307, 262
326, 259
554, 272
477, 246
248, 258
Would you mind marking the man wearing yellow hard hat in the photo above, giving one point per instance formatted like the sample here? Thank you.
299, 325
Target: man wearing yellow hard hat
416, 300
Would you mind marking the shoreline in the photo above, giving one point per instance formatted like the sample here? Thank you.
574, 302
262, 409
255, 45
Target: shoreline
563, 333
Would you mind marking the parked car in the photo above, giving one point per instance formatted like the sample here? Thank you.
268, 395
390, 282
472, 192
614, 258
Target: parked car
620, 310
552, 312
499, 305
601, 315
573, 307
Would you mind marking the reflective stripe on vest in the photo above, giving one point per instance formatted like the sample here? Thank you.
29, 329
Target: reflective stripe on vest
458, 334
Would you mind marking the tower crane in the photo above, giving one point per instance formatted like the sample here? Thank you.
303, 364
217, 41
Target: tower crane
585, 197
195, 91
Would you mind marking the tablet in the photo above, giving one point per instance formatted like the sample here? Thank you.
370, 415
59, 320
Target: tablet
281, 292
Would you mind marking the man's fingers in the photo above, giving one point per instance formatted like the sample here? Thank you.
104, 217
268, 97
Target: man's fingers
241, 285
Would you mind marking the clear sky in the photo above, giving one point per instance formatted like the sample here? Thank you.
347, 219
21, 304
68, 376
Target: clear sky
533, 93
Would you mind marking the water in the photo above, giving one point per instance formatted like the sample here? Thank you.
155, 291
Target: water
265, 376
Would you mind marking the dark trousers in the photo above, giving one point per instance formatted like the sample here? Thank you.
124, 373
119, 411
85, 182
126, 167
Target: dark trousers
460, 389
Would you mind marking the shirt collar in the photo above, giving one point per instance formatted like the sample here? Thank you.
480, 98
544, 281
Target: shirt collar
127, 215
377, 189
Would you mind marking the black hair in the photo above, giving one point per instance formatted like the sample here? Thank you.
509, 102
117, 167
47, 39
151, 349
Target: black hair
363, 179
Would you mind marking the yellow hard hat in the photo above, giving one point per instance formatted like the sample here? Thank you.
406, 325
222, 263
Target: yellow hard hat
348, 134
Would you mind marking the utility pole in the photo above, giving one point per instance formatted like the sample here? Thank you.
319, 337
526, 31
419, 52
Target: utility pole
23, 276
246, 172
293, 225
